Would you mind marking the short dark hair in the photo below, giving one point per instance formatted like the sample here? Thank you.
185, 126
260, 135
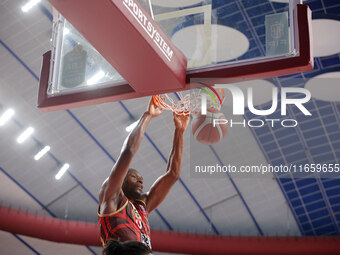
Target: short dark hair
113, 247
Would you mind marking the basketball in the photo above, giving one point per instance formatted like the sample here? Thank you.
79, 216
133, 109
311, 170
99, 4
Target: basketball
205, 131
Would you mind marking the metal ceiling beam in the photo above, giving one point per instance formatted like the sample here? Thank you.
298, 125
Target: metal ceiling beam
239, 194
38, 202
85, 129
277, 180
290, 113
26, 244
311, 161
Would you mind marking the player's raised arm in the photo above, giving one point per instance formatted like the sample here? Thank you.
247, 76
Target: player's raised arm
163, 184
113, 184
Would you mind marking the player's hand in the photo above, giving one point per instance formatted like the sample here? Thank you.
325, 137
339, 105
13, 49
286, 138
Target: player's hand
153, 109
181, 121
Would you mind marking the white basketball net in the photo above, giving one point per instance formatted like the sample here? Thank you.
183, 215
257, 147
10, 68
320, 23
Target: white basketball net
190, 102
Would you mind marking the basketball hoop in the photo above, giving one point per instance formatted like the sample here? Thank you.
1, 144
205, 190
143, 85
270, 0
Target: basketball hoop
189, 102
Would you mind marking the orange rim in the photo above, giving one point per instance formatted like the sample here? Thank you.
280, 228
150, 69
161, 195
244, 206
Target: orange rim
158, 100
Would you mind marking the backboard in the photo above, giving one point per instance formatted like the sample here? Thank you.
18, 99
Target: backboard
114, 50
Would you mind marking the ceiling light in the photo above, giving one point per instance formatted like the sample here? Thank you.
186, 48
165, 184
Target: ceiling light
29, 5
66, 31
42, 152
325, 87
95, 78
325, 41
227, 43
6, 116
131, 126
24, 135
62, 170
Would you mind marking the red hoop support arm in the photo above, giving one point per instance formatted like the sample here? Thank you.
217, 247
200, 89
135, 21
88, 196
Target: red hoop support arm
129, 39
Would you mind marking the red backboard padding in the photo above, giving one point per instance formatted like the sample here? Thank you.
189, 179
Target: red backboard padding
127, 37
87, 233
228, 73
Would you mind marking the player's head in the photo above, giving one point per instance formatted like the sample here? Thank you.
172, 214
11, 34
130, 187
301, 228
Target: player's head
113, 247
133, 184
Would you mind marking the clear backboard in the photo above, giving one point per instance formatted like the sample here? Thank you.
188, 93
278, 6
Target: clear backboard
107, 50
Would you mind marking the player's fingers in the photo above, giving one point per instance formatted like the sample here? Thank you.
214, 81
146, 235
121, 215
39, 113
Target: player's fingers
155, 100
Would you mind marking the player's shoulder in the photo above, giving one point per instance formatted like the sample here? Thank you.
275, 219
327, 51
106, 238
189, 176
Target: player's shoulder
104, 184
110, 205
107, 189
143, 200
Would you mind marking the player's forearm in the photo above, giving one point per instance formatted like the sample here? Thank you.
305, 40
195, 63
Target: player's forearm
175, 159
134, 139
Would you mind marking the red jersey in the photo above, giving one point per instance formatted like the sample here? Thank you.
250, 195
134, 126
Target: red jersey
129, 222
